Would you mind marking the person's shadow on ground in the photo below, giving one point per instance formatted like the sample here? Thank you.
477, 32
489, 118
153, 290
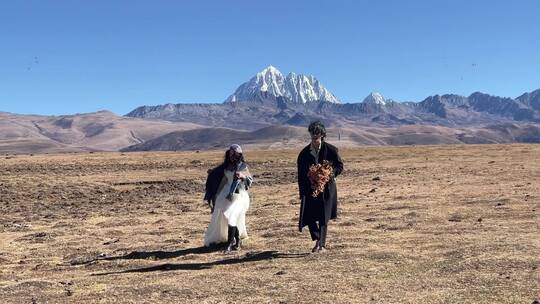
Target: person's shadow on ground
247, 258
160, 255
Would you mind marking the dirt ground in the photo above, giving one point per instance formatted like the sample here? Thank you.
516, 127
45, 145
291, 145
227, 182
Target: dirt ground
418, 224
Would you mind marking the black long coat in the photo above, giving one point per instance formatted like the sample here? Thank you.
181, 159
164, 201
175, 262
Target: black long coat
324, 206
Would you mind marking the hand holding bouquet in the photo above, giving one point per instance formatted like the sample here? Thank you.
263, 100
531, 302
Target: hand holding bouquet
319, 175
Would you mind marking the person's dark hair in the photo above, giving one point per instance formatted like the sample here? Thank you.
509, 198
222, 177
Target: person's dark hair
317, 127
239, 159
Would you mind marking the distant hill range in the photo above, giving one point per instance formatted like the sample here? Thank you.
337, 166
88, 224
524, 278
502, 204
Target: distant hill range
294, 137
272, 110
269, 98
100, 131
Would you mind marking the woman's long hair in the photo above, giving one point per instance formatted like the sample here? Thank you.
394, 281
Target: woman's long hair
228, 163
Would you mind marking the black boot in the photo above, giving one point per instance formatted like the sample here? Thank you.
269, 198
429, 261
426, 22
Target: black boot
238, 242
231, 238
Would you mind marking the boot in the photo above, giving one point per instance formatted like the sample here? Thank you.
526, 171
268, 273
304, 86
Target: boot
316, 247
231, 238
238, 242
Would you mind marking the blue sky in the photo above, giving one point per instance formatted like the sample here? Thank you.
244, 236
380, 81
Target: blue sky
65, 57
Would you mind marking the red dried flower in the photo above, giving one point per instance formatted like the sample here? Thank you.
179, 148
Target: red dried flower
319, 175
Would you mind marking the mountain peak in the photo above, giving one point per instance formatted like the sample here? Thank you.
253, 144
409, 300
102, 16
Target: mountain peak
270, 69
375, 98
296, 87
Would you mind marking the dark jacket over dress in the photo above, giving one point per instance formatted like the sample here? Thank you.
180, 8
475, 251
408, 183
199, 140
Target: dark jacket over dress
324, 206
215, 182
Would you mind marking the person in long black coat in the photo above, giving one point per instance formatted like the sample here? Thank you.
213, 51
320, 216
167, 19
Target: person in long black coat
315, 212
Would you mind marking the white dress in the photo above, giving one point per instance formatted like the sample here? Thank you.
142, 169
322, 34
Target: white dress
227, 213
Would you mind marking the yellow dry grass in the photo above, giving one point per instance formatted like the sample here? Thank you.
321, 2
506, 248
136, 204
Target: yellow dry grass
422, 224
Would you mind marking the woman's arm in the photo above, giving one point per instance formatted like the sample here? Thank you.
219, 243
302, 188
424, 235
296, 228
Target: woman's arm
245, 176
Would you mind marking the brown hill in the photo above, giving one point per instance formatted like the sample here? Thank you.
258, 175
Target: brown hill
103, 131
289, 136
209, 138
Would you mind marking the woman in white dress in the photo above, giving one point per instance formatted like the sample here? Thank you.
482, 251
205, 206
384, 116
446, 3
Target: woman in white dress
227, 194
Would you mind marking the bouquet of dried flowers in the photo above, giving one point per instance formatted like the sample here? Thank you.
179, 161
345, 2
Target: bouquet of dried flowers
319, 175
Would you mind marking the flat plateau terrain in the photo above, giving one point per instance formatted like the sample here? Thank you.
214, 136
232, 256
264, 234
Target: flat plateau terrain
417, 224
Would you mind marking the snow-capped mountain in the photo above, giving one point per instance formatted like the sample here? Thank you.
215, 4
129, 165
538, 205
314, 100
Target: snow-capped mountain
270, 82
272, 98
375, 98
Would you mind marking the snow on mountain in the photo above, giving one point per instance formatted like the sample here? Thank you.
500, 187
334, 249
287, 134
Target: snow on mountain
375, 98
297, 88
